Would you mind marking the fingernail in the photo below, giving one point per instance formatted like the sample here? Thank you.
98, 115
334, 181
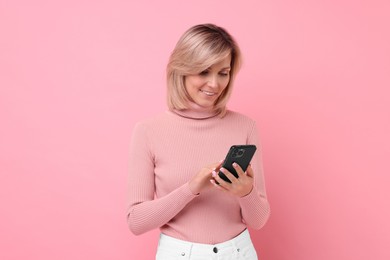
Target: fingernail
222, 160
235, 164
222, 169
213, 173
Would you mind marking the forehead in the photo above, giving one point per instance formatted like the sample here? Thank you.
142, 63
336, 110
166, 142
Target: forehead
222, 64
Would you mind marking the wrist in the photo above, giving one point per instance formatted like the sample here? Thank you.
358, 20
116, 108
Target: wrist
246, 194
193, 189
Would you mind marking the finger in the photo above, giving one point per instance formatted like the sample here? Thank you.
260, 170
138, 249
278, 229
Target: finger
231, 176
249, 171
221, 181
238, 169
217, 186
217, 165
228, 175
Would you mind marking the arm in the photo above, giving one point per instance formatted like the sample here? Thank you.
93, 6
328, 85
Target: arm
249, 187
144, 212
255, 208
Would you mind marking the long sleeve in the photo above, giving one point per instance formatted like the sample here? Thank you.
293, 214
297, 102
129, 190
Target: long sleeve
166, 151
145, 212
255, 208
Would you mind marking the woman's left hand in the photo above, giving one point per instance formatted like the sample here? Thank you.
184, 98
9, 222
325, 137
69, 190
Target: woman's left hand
240, 186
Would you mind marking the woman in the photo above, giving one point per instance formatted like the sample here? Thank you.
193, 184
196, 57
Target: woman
175, 157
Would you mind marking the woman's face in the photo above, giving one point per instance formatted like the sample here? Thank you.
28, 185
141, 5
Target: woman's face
205, 88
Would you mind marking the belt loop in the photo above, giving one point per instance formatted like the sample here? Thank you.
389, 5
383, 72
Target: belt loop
190, 250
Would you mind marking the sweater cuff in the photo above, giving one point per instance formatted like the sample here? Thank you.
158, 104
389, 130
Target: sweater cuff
251, 198
186, 191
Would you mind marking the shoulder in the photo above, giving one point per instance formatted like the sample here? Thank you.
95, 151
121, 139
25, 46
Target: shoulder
241, 122
246, 125
238, 117
143, 130
153, 123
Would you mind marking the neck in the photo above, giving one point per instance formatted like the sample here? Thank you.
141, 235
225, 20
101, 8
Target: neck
195, 111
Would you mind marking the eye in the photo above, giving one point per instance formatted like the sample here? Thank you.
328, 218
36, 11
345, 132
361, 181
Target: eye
224, 73
204, 73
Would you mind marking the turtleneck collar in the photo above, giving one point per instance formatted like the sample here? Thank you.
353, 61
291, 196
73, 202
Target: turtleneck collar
196, 112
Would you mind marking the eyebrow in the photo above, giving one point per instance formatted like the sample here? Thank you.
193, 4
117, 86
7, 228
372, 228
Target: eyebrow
225, 68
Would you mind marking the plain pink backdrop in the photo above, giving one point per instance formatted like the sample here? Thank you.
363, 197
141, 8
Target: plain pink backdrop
75, 76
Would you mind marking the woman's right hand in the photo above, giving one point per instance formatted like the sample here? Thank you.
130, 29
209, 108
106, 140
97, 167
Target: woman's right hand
201, 180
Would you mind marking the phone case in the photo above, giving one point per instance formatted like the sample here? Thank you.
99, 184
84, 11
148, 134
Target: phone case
240, 154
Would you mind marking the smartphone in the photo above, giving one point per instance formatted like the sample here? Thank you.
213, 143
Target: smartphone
240, 154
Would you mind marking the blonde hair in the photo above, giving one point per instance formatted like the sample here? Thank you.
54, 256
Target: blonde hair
198, 49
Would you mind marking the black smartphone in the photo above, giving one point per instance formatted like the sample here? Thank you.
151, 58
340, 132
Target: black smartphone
240, 154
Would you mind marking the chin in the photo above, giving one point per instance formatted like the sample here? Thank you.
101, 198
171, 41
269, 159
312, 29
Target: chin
207, 105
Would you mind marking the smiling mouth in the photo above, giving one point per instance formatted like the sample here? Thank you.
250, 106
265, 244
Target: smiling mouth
208, 93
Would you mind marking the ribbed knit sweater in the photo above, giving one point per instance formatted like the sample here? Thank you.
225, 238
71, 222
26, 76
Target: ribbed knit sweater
166, 151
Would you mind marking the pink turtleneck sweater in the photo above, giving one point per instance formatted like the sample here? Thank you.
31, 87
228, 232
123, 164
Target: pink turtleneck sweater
166, 151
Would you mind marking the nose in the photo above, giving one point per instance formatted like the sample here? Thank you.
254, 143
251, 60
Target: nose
212, 81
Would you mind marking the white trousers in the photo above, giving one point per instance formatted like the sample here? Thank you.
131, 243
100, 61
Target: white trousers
238, 248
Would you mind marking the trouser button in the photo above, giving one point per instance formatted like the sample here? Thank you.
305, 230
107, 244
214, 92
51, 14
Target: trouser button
215, 250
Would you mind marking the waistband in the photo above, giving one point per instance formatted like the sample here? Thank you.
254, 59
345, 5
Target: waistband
237, 242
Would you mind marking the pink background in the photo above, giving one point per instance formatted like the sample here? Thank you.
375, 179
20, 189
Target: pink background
76, 75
